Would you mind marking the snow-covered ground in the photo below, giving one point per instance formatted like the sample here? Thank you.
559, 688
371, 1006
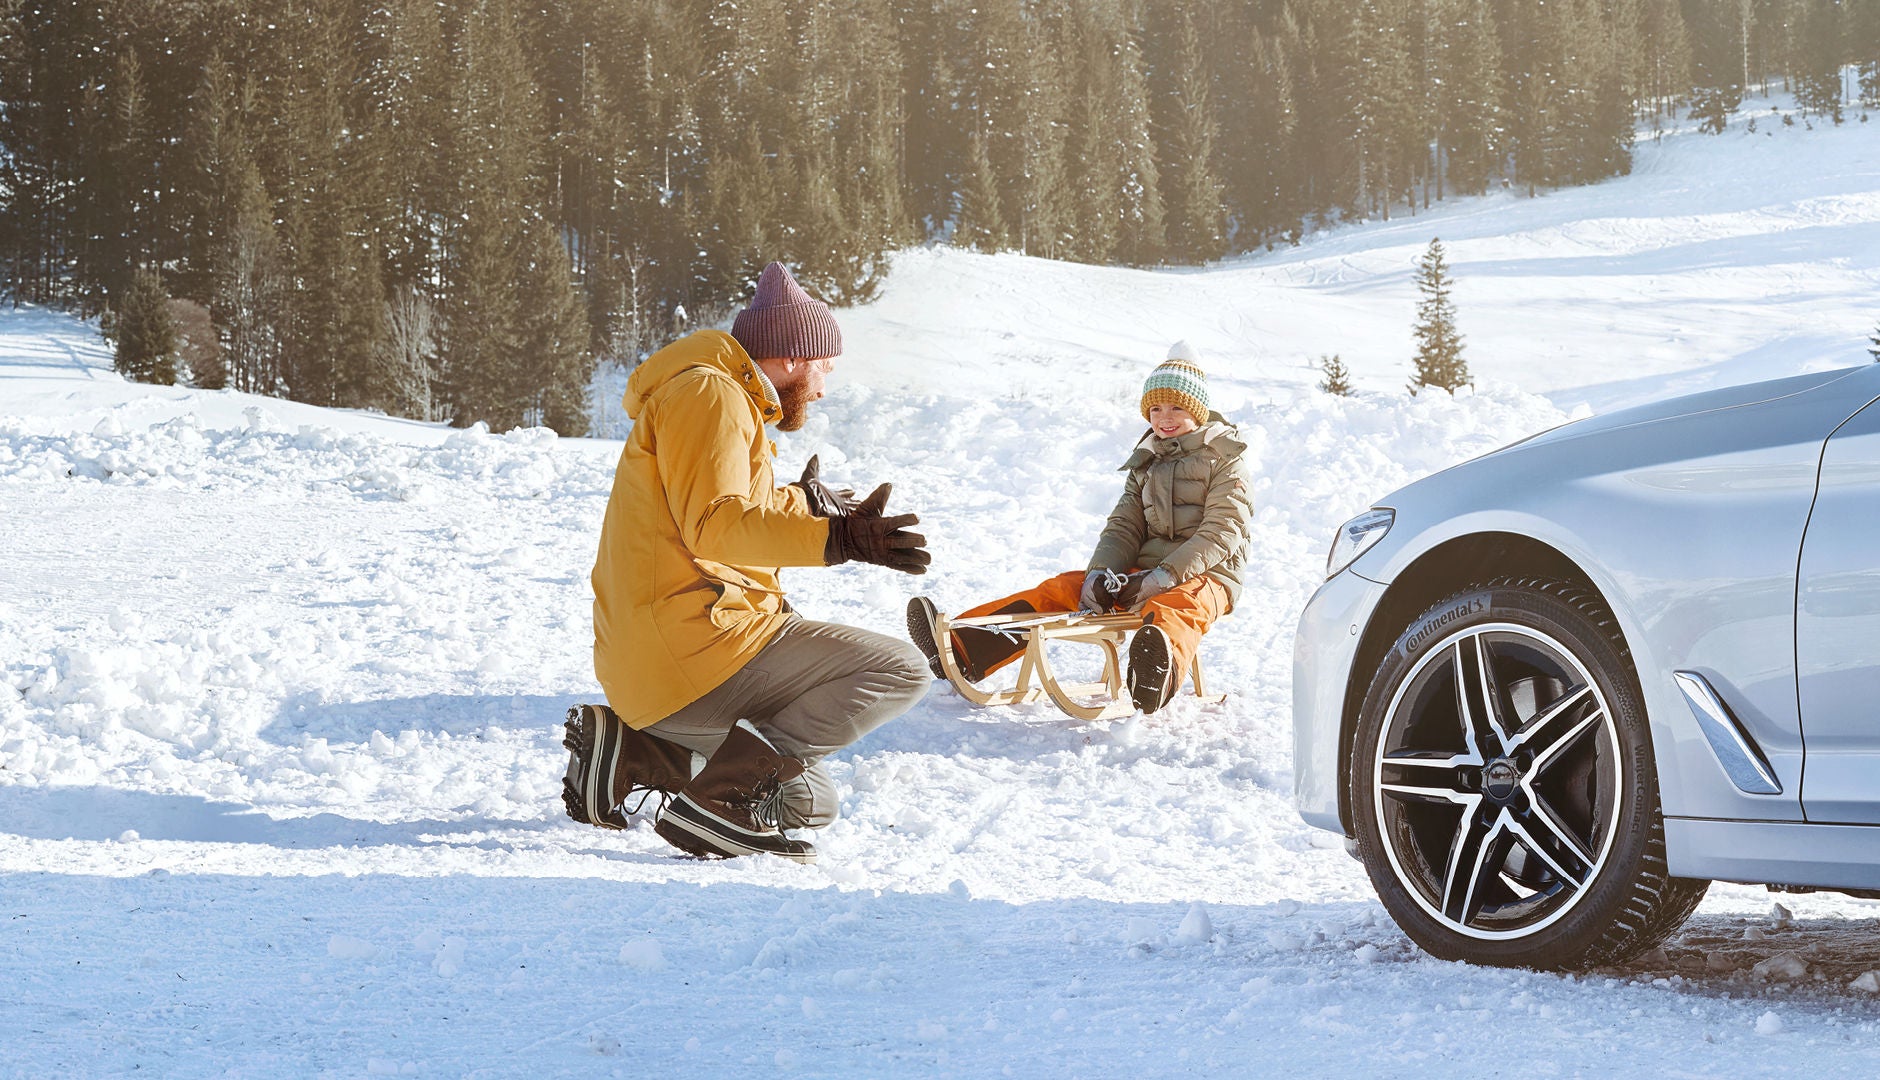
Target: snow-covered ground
281, 691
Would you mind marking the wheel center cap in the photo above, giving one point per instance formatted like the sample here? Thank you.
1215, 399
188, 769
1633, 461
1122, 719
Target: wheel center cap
1500, 778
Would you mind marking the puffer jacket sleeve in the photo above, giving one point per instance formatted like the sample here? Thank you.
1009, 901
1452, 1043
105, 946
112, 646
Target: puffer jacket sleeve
703, 427
1123, 535
1225, 528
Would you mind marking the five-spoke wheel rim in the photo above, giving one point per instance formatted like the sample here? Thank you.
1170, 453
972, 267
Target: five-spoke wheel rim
1496, 781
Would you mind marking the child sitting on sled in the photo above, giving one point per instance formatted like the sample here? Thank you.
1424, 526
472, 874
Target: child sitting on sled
1173, 548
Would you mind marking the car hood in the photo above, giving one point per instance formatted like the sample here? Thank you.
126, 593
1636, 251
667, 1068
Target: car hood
1728, 397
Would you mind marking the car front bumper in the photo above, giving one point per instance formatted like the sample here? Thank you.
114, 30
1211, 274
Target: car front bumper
1330, 629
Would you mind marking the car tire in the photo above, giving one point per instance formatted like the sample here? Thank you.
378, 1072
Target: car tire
1503, 786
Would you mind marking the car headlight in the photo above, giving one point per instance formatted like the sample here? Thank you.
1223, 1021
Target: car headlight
1355, 537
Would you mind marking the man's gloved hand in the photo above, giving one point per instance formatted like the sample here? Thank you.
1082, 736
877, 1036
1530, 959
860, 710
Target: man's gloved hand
824, 501
865, 535
1099, 591
1139, 587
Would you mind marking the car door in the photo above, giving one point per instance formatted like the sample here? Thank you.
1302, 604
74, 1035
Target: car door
1837, 629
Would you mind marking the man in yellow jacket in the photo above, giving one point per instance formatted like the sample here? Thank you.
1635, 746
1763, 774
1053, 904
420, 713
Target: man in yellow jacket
700, 655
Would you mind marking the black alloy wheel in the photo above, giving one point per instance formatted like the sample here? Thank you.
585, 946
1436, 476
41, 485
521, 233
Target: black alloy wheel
1503, 784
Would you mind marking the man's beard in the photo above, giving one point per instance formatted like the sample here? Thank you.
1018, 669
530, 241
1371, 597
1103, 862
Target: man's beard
795, 400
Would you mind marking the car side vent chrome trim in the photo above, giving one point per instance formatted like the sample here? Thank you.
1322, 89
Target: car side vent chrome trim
1742, 762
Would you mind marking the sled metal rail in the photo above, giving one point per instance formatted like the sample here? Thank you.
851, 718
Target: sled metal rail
1036, 680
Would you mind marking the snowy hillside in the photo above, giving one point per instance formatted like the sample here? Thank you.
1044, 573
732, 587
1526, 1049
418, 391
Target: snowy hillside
1719, 260
281, 691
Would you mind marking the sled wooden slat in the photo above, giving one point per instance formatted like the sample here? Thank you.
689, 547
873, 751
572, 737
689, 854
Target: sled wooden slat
1036, 681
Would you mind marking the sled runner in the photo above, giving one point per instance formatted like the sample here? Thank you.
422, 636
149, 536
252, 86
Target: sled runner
1037, 629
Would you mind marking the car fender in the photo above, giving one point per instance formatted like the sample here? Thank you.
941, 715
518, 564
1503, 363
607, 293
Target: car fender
1691, 780
1690, 526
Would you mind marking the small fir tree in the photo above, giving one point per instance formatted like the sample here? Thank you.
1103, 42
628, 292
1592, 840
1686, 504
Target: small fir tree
1439, 360
146, 335
1873, 344
1337, 379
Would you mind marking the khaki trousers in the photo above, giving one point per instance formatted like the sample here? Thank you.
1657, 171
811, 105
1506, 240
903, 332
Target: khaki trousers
816, 688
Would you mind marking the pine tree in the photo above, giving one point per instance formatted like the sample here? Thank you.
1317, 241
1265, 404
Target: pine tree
744, 203
1468, 97
1096, 205
1819, 54
1718, 47
980, 224
1665, 60
1266, 176
1337, 381
935, 144
989, 39
405, 87
204, 190
871, 158
1873, 344
1382, 103
117, 180
1863, 41
554, 334
1141, 235
146, 336
1197, 224
1536, 33
248, 279
1042, 191
1439, 360
493, 141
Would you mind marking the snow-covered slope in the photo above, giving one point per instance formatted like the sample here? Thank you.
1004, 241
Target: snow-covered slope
280, 693
1719, 260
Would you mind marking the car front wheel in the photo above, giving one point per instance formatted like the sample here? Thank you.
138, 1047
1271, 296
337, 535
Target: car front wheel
1503, 784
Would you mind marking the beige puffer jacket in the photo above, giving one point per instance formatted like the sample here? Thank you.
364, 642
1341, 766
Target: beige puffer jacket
1186, 506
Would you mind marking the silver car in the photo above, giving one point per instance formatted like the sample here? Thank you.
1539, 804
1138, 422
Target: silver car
1550, 694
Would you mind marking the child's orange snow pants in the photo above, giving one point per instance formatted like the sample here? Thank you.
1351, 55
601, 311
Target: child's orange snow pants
1184, 613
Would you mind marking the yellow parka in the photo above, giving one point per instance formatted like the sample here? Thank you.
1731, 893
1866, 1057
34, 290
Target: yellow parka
685, 585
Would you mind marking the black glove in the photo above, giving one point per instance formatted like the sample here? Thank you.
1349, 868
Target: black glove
1138, 587
824, 501
864, 535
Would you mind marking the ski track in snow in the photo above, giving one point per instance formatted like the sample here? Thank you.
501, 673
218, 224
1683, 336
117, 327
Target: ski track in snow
281, 691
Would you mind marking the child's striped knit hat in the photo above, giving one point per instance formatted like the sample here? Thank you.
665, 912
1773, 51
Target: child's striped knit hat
1178, 380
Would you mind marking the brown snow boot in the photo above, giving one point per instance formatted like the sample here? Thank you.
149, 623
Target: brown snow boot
730, 807
976, 651
608, 762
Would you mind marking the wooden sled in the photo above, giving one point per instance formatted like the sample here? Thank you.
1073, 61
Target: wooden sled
1107, 631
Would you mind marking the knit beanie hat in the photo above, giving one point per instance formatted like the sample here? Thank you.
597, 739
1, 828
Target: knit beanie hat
783, 321
1178, 380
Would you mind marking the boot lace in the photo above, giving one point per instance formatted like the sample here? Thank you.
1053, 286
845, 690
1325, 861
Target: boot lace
767, 808
646, 792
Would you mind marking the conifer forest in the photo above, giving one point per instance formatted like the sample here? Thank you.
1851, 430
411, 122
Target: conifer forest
453, 209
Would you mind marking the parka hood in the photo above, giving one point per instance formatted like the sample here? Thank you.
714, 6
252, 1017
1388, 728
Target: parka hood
1218, 433
712, 349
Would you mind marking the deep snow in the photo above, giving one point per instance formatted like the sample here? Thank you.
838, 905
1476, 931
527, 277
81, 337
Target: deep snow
281, 689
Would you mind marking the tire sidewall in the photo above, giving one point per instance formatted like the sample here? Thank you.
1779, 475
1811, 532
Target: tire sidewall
1566, 941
